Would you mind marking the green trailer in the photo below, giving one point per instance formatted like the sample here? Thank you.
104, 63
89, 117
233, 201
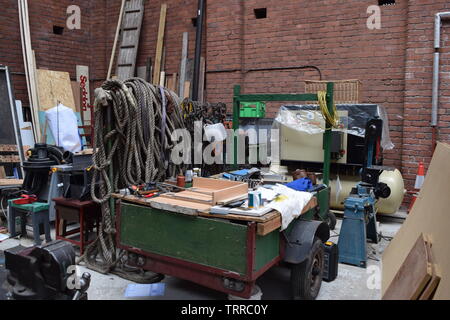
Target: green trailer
229, 253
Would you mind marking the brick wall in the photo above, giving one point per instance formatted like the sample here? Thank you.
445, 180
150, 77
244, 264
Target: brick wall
52, 51
394, 63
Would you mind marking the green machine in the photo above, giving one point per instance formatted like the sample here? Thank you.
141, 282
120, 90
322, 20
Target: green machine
224, 252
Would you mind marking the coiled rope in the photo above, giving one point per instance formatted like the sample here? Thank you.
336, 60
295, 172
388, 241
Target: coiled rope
129, 142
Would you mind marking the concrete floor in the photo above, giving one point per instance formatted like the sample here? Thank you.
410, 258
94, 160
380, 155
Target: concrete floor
353, 283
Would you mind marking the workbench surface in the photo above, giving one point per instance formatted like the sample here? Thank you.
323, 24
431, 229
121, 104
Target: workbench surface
265, 224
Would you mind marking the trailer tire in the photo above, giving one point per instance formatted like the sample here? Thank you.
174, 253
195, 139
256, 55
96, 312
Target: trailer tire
306, 277
331, 220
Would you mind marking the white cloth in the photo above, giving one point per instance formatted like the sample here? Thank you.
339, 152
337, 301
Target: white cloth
64, 126
290, 204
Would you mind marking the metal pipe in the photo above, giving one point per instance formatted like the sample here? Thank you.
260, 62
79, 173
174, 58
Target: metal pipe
437, 44
198, 49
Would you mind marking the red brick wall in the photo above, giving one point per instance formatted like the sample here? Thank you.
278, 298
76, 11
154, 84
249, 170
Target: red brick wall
393, 63
332, 36
417, 134
54, 52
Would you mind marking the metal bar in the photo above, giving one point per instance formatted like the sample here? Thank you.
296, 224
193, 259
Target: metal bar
327, 136
236, 103
278, 97
198, 49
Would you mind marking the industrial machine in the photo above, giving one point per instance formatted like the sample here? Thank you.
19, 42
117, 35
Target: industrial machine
301, 146
41, 273
359, 221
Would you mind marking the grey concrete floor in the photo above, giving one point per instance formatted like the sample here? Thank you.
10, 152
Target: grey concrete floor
353, 283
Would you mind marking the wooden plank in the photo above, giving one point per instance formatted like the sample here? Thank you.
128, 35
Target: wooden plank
9, 159
54, 87
76, 90
267, 217
11, 182
141, 72
184, 57
116, 37
187, 90
171, 205
413, 276
430, 215
8, 148
234, 192
172, 82
162, 79
160, 44
214, 184
430, 289
29, 64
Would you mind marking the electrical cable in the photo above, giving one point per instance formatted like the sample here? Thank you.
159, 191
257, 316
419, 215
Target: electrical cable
332, 120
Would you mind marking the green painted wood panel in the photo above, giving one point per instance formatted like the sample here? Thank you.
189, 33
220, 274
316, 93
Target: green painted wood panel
267, 249
211, 242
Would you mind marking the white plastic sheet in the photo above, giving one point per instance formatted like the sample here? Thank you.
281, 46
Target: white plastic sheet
304, 118
62, 121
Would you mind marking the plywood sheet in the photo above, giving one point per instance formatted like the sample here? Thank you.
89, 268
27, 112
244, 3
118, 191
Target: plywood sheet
413, 275
430, 215
54, 86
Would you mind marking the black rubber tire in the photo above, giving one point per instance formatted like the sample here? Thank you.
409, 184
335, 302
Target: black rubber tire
331, 220
306, 277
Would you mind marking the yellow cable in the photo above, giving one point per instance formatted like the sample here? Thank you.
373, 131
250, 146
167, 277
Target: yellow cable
331, 119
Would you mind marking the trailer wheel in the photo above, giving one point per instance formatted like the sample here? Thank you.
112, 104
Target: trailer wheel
306, 277
331, 220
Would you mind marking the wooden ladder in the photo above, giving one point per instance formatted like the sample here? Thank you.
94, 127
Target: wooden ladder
130, 31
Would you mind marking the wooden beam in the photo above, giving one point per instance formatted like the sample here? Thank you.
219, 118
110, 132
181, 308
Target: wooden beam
10, 159
29, 64
184, 57
160, 44
8, 148
116, 38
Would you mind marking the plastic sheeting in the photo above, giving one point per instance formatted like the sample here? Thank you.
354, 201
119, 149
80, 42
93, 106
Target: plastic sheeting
64, 126
308, 118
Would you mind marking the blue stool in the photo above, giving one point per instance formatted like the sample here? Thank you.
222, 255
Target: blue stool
39, 212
